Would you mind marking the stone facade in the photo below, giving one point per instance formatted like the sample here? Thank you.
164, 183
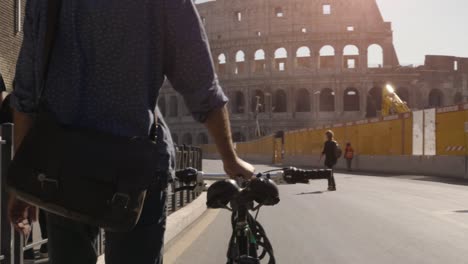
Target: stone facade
309, 63
11, 20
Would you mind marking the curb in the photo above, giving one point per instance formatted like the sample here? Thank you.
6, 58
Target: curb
184, 217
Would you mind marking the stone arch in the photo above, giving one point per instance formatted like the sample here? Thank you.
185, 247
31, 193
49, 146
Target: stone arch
240, 62
327, 100
351, 100
327, 57
458, 98
238, 137
239, 103
280, 102
374, 102
175, 139
436, 98
281, 56
351, 57
185, 109
404, 95
279, 11
173, 106
303, 101
187, 139
202, 139
375, 56
303, 57
261, 101
260, 61
222, 61
240, 56
162, 105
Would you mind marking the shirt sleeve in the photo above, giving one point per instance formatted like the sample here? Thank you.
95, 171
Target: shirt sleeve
24, 95
188, 64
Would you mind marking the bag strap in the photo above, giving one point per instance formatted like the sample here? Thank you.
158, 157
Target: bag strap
53, 12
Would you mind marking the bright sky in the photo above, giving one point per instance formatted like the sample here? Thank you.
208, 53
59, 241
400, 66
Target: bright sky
423, 27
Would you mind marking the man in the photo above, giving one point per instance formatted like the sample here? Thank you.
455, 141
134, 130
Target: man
108, 63
329, 151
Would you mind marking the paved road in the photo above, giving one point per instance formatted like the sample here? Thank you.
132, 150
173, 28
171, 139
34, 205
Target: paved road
370, 219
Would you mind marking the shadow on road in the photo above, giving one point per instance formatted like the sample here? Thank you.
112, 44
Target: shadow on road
305, 193
461, 211
453, 181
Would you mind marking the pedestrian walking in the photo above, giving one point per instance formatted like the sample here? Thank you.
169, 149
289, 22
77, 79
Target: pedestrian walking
332, 153
349, 155
101, 72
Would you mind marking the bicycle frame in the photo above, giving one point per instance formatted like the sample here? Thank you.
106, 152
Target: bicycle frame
243, 244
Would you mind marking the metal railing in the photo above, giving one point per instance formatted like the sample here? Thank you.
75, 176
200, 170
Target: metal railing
186, 156
6, 230
12, 244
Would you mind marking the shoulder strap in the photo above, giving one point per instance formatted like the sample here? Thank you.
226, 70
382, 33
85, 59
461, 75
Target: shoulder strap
53, 12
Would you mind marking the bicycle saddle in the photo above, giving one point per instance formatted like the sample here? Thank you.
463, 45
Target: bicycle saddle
221, 193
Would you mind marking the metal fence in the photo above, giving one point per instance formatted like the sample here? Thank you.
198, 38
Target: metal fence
186, 156
12, 245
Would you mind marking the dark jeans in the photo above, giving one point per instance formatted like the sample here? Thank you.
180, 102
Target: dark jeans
330, 164
71, 242
348, 163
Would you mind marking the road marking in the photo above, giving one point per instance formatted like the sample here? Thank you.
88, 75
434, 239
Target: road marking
193, 232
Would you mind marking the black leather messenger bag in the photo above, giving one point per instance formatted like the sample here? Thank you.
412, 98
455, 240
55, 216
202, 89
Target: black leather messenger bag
89, 176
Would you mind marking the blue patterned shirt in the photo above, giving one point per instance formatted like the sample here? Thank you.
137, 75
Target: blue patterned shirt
109, 61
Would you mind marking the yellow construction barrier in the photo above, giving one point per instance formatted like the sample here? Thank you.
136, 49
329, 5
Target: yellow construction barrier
451, 134
387, 136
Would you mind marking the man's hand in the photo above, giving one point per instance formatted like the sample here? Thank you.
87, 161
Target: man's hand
238, 168
20, 214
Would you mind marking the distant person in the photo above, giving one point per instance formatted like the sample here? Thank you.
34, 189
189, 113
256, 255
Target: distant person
331, 151
349, 155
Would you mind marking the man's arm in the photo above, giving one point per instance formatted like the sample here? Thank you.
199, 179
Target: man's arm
23, 100
219, 128
190, 70
23, 123
323, 152
20, 212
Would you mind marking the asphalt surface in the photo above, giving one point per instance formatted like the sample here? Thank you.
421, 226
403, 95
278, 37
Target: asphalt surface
370, 219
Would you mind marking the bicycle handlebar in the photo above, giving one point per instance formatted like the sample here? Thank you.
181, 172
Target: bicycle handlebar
248, 234
293, 175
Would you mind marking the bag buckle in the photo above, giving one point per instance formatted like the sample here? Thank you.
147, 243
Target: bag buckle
42, 178
120, 200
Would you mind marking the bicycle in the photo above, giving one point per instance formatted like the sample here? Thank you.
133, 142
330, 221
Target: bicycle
249, 243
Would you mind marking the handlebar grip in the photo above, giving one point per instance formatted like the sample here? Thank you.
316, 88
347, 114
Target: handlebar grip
187, 176
293, 175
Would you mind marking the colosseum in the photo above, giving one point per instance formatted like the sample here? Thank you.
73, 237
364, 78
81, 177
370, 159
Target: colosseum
299, 63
